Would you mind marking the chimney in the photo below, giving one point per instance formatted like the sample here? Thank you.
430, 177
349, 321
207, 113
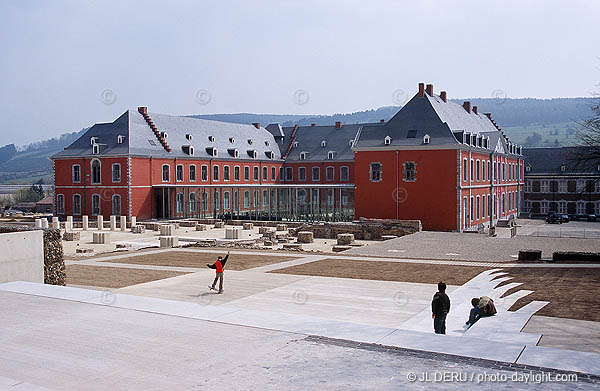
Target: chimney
338, 124
143, 110
256, 125
429, 89
421, 90
443, 96
313, 124
467, 106
489, 115
382, 121
475, 110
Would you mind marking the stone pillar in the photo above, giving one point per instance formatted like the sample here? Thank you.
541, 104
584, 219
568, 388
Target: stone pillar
44, 223
55, 223
84, 223
133, 221
100, 223
123, 223
38, 223
70, 220
113, 223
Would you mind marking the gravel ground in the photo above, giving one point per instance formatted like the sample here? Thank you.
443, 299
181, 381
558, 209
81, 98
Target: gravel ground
113, 277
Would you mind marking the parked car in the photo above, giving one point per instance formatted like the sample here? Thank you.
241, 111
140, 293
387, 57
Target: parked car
553, 218
564, 217
591, 217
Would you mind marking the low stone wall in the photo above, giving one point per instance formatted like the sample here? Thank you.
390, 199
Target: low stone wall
365, 229
576, 256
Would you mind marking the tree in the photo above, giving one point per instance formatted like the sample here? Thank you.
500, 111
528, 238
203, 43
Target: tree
588, 155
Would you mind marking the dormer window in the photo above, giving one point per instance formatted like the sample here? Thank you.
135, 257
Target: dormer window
188, 149
120, 139
351, 143
330, 155
250, 141
563, 167
189, 136
95, 149
528, 168
211, 139
252, 153
267, 143
212, 151
323, 143
93, 140
269, 154
466, 138
387, 140
295, 144
164, 134
303, 155
426, 139
231, 140
234, 152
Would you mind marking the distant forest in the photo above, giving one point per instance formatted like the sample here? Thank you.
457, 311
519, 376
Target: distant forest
530, 122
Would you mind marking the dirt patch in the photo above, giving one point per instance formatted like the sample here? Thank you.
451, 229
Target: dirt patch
83, 257
113, 277
386, 271
572, 292
199, 259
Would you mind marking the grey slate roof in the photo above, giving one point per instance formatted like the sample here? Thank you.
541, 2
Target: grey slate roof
309, 140
141, 141
549, 161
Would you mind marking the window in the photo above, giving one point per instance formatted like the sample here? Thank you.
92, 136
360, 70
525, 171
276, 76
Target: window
301, 173
580, 208
303, 155
482, 206
597, 186
236, 173
96, 172
375, 172
330, 197
281, 177
562, 206
255, 172
483, 170
225, 173
489, 170
215, 173
166, 174
265, 175
226, 200
60, 204
116, 205
528, 186
204, 201
527, 207
273, 174
329, 173
265, 198
217, 200
388, 140
76, 204
204, 173
330, 155
246, 199
465, 170
471, 208
236, 200
562, 186
478, 168
316, 173
255, 199
344, 173
597, 209
76, 173
544, 207
544, 186
192, 202
472, 169
95, 149
410, 172
179, 202
581, 186
95, 205
192, 173
179, 173
477, 208
289, 173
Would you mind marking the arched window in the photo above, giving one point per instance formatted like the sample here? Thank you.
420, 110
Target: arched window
116, 173
204, 201
265, 175
166, 173
95, 204
215, 173
76, 204
60, 204
179, 203
192, 202
96, 172
116, 205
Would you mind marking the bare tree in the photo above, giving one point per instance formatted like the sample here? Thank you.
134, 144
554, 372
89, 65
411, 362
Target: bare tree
588, 135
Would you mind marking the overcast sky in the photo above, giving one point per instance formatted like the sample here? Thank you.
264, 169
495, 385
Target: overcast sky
65, 65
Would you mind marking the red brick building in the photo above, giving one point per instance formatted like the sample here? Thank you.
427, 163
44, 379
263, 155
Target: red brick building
436, 161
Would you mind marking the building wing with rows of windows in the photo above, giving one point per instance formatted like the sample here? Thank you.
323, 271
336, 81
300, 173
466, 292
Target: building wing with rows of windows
555, 183
442, 163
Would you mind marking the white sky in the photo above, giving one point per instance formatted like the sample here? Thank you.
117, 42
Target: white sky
56, 57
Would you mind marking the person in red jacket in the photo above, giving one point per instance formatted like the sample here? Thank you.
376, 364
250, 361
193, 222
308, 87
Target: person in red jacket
219, 267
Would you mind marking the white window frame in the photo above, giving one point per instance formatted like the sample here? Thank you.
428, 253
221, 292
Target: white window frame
371, 179
75, 212
226, 200
255, 173
73, 173
112, 172
301, 174
204, 173
289, 173
265, 173
162, 172
192, 202
237, 174
246, 173
215, 173
192, 178
246, 199
465, 170
179, 202
265, 198
112, 205
217, 200
316, 169
60, 205
226, 173
97, 196
273, 174
544, 186
405, 171
347, 176
478, 170
329, 169
177, 171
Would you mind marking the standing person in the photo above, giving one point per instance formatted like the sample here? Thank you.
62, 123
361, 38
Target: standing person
440, 306
219, 265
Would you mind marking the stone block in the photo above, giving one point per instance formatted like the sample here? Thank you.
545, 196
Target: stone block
530, 255
101, 237
247, 226
233, 233
219, 224
84, 223
388, 237
305, 237
38, 223
84, 250
71, 236
345, 239
113, 223
169, 241
339, 248
45, 223
292, 246
55, 223
133, 221
123, 223
100, 223
267, 243
138, 229
200, 227
167, 230
282, 227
